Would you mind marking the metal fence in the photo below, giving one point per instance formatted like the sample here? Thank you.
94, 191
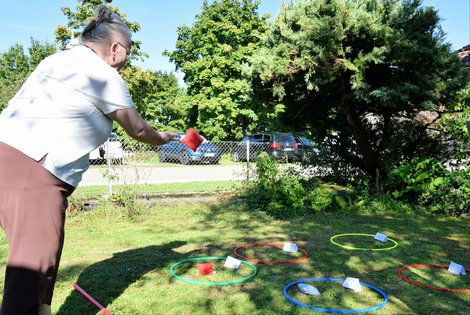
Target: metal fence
113, 152
116, 163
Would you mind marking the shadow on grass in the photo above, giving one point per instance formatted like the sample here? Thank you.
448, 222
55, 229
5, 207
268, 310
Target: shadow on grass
116, 274
420, 240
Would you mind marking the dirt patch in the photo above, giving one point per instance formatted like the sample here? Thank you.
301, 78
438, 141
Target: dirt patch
155, 199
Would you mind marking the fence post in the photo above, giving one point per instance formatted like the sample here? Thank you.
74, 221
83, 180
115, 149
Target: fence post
247, 163
110, 186
108, 162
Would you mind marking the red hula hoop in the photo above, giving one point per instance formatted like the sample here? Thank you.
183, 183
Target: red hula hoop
430, 286
270, 262
90, 299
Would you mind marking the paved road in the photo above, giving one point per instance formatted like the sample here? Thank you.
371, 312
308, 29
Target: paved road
127, 174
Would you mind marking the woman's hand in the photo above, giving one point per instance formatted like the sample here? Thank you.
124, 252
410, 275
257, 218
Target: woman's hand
169, 136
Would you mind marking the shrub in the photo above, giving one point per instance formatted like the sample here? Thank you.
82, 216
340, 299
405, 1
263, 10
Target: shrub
332, 198
277, 191
427, 183
283, 191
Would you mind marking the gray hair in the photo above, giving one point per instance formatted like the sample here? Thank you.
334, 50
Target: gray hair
105, 25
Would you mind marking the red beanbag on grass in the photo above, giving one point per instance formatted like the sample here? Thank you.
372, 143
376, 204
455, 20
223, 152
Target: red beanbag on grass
205, 269
192, 139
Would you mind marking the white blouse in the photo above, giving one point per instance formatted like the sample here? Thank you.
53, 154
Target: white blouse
60, 111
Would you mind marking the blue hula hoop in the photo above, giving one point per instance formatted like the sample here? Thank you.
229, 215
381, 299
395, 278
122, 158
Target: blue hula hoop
327, 310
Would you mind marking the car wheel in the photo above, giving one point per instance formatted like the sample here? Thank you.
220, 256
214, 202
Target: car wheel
161, 157
184, 159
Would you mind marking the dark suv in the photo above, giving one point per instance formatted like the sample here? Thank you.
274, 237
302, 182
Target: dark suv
280, 145
306, 148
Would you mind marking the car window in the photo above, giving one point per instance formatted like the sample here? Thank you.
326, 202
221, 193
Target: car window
245, 139
306, 141
286, 138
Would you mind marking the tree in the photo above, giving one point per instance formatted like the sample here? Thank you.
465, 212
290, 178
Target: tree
154, 93
211, 54
371, 76
16, 65
77, 20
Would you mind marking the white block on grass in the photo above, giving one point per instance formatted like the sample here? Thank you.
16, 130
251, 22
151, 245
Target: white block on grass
456, 269
290, 247
232, 263
381, 237
352, 283
308, 289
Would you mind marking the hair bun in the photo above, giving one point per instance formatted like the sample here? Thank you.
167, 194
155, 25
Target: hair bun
103, 14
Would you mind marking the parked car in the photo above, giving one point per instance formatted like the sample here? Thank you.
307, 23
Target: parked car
176, 151
306, 148
112, 149
280, 145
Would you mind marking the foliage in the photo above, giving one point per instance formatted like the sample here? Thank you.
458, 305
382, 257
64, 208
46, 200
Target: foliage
421, 186
154, 93
211, 54
426, 182
453, 125
77, 20
127, 199
75, 204
16, 65
371, 77
276, 191
284, 192
333, 198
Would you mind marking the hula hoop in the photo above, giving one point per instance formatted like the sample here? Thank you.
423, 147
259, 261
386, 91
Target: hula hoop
399, 271
328, 310
220, 283
395, 243
270, 262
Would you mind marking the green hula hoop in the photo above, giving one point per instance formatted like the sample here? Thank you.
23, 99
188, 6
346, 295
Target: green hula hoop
220, 283
395, 243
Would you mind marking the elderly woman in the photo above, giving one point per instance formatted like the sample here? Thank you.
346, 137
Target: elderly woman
64, 110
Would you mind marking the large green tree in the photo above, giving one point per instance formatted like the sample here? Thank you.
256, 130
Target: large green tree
16, 65
155, 93
211, 54
371, 76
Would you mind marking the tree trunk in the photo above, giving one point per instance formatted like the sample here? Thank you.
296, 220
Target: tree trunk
369, 156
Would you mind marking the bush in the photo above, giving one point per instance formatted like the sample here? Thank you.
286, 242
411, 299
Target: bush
434, 189
284, 192
277, 191
421, 186
332, 198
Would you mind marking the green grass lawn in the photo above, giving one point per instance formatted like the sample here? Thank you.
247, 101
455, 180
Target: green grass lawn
124, 260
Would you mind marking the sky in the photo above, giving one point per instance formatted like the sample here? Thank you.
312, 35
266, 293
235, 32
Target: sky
159, 20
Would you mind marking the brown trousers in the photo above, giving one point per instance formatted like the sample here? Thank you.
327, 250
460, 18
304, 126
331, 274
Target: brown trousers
32, 214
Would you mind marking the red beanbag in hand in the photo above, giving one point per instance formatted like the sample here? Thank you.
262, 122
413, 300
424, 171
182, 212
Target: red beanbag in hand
192, 139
